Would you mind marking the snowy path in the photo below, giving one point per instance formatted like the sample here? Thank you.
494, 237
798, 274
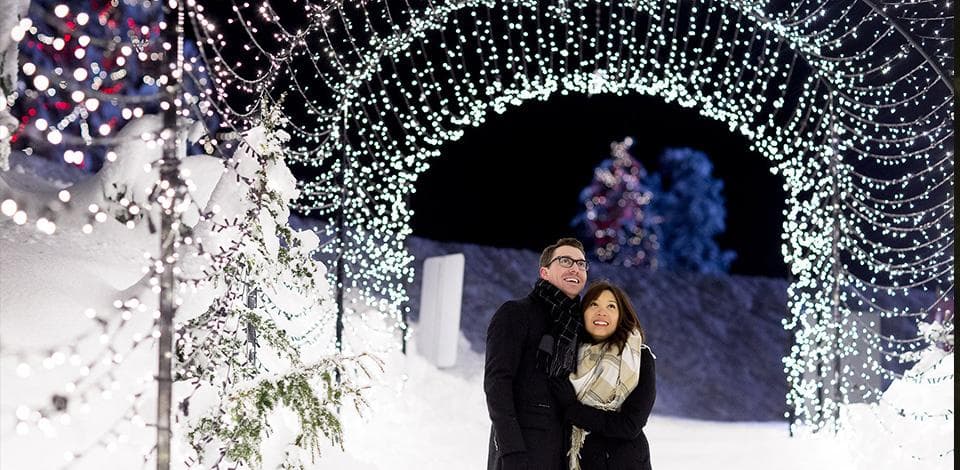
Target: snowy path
438, 420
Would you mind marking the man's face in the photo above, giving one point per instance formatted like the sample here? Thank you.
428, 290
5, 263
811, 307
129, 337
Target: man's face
570, 280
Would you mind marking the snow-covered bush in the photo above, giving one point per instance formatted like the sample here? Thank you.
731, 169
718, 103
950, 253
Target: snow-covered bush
912, 425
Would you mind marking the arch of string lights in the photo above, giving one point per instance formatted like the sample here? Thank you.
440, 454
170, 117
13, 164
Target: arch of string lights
849, 101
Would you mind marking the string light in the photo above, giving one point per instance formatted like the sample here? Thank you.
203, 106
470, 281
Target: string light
847, 101
858, 124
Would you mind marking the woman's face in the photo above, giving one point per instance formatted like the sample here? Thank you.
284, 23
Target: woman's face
601, 316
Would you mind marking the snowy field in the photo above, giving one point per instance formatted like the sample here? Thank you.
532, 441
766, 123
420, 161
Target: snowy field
420, 416
54, 288
426, 417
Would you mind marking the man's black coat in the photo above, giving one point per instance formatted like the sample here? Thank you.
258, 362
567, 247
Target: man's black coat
527, 424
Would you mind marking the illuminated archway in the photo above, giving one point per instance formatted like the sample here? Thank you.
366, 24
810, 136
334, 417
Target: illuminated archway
849, 103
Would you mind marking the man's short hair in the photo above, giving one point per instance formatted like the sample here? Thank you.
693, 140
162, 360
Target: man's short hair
547, 254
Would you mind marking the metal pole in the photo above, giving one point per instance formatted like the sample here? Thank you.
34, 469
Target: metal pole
168, 198
341, 258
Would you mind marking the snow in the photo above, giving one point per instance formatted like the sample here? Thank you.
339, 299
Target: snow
420, 416
902, 440
425, 417
46, 285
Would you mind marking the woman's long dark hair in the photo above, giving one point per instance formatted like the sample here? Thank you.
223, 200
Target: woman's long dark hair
628, 321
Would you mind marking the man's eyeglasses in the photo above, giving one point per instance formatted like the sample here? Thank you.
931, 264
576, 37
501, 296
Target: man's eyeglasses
568, 262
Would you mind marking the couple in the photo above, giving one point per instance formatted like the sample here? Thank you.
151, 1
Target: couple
569, 383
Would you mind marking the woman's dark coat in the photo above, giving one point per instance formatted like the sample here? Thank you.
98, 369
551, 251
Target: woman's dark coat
616, 440
526, 422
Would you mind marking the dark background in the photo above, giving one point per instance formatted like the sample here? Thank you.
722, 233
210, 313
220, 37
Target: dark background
514, 181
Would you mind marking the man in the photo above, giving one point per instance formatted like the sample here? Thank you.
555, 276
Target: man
530, 340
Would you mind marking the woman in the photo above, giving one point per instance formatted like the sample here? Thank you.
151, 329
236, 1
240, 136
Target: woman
610, 395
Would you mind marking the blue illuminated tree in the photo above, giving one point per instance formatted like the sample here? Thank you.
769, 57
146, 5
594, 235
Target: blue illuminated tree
690, 201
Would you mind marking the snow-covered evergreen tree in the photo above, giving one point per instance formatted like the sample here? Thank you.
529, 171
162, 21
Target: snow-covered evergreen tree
254, 357
10, 19
690, 202
617, 223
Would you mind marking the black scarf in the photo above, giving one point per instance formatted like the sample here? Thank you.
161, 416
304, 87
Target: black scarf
557, 354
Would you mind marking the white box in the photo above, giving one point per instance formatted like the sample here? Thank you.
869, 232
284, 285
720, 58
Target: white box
440, 297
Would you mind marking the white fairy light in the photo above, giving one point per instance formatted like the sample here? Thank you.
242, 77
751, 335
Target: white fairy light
48, 228
20, 217
41, 82
868, 218
867, 187
17, 33
8, 207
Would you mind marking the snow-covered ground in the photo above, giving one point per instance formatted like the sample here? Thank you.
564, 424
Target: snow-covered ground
425, 417
420, 416
54, 288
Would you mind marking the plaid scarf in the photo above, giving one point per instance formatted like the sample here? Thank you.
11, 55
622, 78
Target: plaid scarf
557, 353
604, 379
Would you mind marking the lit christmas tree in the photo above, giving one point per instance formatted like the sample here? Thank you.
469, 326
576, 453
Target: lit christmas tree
617, 221
87, 67
690, 202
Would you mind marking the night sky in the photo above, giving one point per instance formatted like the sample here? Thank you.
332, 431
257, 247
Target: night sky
514, 181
